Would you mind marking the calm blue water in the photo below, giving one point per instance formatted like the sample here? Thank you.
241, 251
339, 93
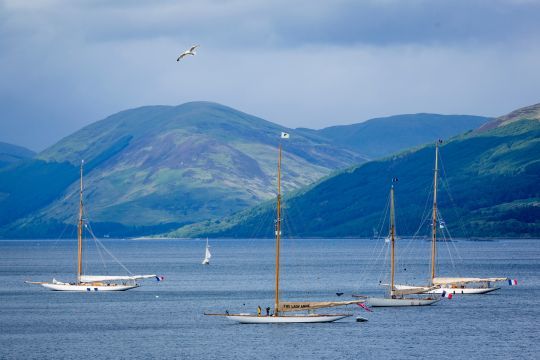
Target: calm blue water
165, 320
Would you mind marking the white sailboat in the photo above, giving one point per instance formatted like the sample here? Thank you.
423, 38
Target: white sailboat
207, 254
281, 308
92, 282
449, 285
397, 297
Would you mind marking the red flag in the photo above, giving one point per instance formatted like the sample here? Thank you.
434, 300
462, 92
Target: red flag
364, 306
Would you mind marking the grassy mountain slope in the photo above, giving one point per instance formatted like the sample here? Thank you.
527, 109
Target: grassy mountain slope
489, 181
162, 166
531, 112
380, 137
10, 153
157, 168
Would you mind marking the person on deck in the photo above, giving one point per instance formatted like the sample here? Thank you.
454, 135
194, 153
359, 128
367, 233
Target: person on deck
268, 311
258, 310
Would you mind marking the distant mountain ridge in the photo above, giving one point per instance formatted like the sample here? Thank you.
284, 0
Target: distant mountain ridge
531, 112
10, 153
380, 137
489, 187
157, 168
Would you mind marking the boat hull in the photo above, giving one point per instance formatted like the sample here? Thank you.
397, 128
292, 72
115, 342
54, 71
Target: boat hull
388, 302
87, 287
464, 291
450, 290
287, 319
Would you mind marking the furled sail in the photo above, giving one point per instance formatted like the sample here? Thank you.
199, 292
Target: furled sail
415, 290
458, 280
310, 305
97, 278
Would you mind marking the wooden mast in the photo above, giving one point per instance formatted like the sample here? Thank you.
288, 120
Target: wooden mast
434, 218
278, 232
80, 228
392, 239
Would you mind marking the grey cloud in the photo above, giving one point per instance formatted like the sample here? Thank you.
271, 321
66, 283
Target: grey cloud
64, 63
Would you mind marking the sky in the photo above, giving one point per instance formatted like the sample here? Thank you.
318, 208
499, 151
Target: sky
67, 63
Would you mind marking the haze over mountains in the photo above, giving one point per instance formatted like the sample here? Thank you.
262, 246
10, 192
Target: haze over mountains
10, 154
489, 187
157, 168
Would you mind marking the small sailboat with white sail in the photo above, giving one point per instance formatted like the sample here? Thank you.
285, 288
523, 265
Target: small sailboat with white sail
286, 312
85, 282
450, 285
397, 297
207, 254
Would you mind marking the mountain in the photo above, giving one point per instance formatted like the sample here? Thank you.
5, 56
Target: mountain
380, 137
10, 154
530, 112
157, 168
489, 187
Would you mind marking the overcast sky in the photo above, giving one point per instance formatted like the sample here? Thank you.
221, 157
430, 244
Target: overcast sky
67, 63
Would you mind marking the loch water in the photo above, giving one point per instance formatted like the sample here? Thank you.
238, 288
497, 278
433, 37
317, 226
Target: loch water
162, 320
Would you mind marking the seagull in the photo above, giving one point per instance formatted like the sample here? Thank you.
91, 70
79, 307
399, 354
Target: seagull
191, 51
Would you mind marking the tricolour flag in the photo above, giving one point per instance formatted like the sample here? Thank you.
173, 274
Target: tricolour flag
160, 278
446, 295
512, 282
285, 135
364, 306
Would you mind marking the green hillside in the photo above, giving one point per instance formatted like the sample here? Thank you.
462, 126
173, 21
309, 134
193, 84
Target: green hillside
10, 154
380, 137
158, 167
489, 187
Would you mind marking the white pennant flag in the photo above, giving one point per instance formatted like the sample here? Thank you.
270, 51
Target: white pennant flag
285, 135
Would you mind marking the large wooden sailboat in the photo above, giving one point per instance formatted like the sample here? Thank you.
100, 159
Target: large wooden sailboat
397, 297
449, 285
283, 308
92, 282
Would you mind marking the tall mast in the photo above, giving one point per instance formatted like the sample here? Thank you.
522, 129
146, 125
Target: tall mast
434, 218
392, 239
79, 228
278, 230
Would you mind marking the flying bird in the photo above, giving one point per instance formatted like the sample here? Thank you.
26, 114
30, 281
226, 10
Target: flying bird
191, 51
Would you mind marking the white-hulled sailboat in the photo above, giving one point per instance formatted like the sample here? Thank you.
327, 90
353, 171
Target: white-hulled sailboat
397, 297
92, 282
449, 285
207, 255
281, 308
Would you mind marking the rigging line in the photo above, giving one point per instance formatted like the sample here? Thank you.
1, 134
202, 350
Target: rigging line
384, 250
456, 251
426, 218
423, 219
446, 185
288, 214
86, 226
55, 243
446, 240
107, 251
293, 241
376, 248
